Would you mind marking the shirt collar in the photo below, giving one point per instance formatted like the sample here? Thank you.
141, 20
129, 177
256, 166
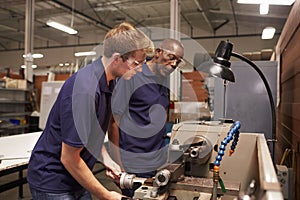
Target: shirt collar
102, 82
146, 70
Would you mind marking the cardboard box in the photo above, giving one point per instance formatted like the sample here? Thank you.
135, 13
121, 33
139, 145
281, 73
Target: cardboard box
11, 83
15, 83
186, 111
22, 84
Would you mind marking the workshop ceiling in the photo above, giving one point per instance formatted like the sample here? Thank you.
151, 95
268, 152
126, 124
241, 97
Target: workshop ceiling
198, 19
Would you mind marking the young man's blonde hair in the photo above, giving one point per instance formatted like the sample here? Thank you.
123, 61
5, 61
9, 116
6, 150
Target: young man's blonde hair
126, 39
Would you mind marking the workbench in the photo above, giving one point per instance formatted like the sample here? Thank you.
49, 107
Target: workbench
15, 152
14, 157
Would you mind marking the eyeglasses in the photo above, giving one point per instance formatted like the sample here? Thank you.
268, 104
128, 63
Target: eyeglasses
179, 62
128, 59
135, 63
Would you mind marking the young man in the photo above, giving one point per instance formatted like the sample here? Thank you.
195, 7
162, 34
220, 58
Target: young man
139, 110
61, 161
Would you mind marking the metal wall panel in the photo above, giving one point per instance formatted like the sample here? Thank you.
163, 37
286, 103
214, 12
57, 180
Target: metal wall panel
247, 99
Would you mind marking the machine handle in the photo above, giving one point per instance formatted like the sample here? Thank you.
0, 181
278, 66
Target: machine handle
126, 198
191, 145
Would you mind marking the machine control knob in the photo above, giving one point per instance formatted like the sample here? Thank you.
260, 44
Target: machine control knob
194, 152
162, 177
126, 180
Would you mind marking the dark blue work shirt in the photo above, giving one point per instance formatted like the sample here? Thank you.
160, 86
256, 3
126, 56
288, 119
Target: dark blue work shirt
79, 118
141, 103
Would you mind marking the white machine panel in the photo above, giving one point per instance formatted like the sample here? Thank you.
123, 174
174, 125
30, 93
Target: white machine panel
50, 91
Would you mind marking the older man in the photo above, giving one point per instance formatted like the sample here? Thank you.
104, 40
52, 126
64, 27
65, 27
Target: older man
139, 108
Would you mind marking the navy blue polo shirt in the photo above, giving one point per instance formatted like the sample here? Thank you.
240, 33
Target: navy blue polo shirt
141, 103
79, 118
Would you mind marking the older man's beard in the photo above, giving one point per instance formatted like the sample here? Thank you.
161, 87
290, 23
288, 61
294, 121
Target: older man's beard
165, 72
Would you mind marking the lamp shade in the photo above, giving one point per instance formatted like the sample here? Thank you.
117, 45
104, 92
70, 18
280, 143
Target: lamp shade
219, 65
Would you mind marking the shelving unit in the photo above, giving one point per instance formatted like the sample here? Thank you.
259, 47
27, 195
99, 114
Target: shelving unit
13, 110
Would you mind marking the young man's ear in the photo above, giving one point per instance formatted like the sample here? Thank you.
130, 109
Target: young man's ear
116, 56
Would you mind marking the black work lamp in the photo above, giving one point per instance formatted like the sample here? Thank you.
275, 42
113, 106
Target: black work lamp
219, 66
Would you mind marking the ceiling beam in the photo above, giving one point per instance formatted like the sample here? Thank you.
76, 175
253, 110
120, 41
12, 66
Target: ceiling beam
80, 14
18, 26
248, 14
204, 15
113, 6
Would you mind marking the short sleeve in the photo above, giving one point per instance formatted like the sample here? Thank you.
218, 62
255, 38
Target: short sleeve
121, 96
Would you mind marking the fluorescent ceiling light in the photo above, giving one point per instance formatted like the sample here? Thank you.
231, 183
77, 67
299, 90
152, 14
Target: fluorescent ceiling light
264, 9
61, 27
35, 55
270, 2
268, 33
85, 53
33, 66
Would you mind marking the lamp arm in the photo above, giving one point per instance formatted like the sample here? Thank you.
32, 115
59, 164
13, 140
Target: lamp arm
269, 95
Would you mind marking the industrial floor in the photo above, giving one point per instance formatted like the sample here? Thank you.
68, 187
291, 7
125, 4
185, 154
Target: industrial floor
13, 194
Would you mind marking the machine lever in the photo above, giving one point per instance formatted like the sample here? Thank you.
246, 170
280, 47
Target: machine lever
126, 198
184, 146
